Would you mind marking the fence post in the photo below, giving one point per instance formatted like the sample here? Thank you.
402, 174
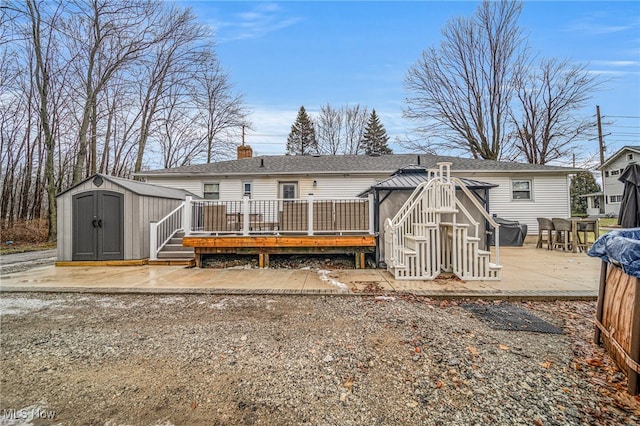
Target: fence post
371, 215
186, 216
153, 240
245, 215
310, 215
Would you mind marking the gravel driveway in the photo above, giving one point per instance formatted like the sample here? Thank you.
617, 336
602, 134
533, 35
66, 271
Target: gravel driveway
212, 360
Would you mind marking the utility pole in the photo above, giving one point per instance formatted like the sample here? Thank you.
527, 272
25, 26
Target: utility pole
600, 139
601, 142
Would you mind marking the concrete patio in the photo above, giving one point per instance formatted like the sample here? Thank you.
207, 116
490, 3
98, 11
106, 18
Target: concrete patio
528, 273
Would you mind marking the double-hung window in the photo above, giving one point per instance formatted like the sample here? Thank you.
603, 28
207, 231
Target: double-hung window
289, 190
211, 191
521, 189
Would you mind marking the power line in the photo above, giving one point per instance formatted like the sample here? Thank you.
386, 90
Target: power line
621, 116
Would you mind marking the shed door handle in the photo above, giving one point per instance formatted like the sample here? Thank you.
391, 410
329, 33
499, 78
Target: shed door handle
99, 223
94, 223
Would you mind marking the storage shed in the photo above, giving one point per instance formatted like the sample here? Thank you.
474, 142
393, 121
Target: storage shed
106, 219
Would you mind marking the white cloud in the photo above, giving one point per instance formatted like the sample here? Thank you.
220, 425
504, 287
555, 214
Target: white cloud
261, 20
616, 63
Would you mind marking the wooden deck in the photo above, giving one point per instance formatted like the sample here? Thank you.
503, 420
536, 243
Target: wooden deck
263, 246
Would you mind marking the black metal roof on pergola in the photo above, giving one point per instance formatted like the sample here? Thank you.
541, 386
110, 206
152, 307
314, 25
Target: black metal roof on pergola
408, 178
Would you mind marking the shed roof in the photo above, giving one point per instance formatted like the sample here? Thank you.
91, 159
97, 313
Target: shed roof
139, 188
347, 164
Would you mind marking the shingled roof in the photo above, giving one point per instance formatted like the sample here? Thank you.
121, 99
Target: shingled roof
347, 164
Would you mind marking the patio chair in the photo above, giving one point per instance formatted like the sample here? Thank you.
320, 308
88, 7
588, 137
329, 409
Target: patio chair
584, 229
215, 218
562, 230
545, 226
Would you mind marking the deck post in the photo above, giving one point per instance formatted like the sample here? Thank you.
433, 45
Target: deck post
186, 217
245, 215
153, 240
371, 215
310, 215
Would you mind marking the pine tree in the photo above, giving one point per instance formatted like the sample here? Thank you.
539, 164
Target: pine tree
375, 137
302, 138
582, 183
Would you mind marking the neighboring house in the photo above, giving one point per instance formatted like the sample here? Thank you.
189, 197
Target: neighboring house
612, 169
523, 192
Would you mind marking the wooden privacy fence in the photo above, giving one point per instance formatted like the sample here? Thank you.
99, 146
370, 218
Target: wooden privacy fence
618, 321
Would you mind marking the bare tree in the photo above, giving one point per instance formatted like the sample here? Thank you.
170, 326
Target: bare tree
178, 136
221, 111
461, 90
355, 121
329, 127
176, 49
340, 130
549, 98
105, 36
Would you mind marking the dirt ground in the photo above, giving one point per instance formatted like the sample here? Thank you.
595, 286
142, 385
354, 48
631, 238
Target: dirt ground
242, 360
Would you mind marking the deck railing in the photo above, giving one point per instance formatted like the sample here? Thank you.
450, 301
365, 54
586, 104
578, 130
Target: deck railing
310, 215
162, 231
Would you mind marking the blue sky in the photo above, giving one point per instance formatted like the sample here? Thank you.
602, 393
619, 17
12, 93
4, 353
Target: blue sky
286, 54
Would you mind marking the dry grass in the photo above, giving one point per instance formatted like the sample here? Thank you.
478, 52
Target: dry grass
25, 236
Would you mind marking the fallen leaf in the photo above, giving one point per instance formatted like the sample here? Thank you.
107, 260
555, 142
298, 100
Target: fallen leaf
545, 364
348, 383
473, 350
439, 384
503, 347
193, 405
418, 350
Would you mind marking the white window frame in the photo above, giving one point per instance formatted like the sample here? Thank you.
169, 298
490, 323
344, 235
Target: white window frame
630, 156
205, 192
615, 199
513, 190
614, 172
246, 192
281, 189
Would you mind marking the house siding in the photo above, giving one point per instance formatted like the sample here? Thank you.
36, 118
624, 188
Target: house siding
550, 191
266, 188
612, 186
550, 198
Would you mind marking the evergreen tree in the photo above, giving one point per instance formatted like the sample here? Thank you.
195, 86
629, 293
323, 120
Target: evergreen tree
375, 137
302, 138
582, 183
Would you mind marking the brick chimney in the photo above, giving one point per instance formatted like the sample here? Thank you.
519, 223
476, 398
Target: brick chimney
244, 151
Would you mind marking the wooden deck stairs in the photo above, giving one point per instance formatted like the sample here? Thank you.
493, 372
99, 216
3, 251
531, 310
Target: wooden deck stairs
174, 253
428, 237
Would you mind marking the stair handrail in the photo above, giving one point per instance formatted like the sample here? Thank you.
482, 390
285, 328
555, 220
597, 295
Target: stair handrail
163, 230
408, 206
483, 212
466, 213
